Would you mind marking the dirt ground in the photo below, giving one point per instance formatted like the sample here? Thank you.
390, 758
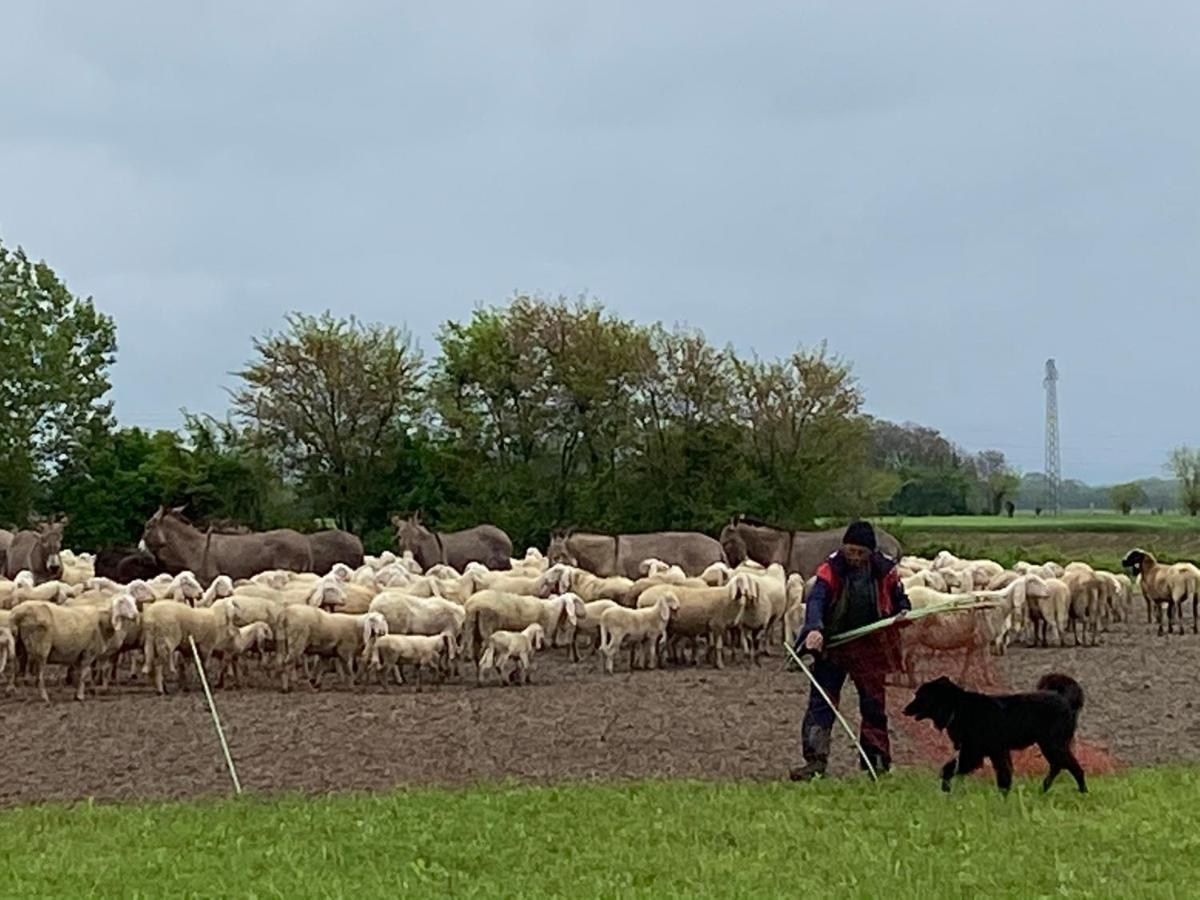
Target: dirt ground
571, 724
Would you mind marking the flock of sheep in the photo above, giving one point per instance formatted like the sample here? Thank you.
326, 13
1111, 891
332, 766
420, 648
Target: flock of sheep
390, 614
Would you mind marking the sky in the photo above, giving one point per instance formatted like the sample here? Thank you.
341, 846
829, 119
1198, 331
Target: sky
947, 193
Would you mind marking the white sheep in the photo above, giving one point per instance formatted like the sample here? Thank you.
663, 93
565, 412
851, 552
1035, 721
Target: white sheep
74, 637
645, 627
221, 587
489, 611
303, 630
515, 647
706, 612
257, 637
167, 626
384, 652
589, 624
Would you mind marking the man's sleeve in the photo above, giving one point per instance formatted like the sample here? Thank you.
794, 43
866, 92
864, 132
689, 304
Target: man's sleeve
899, 597
814, 609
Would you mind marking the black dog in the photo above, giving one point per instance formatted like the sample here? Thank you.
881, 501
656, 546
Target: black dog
983, 726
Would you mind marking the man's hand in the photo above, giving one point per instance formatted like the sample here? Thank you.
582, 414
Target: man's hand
814, 642
902, 619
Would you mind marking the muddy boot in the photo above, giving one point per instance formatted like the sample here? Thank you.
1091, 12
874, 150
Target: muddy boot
881, 762
816, 755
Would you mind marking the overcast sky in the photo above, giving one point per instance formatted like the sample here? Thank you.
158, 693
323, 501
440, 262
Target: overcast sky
949, 193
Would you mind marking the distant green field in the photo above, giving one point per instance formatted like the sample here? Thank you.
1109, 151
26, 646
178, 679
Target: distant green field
1102, 523
1133, 835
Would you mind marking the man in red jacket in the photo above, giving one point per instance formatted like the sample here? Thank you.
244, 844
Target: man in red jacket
856, 586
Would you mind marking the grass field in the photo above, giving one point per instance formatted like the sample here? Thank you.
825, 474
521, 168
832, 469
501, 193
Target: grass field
1132, 835
1100, 523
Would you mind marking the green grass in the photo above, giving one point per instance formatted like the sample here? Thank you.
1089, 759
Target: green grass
1134, 835
1099, 523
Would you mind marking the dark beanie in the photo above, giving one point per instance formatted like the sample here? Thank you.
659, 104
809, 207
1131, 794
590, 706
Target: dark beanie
860, 534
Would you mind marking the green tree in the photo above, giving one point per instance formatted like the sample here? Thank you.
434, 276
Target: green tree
56, 350
805, 439
1184, 464
1125, 497
328, 398
997, 479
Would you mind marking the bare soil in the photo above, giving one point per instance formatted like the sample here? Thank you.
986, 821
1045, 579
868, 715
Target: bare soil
572, 724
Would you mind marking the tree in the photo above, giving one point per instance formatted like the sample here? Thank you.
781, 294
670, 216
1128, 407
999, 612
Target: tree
1184, 464
1126, 496
328, 397
997, 479
55, 350
805, 439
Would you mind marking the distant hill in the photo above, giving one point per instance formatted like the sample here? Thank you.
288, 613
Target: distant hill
1161, 493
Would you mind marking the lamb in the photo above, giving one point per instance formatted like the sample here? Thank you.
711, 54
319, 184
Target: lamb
516, 647
428, 616
308, 630
646, 626
167, 626
70, 636
489, 611
383, 651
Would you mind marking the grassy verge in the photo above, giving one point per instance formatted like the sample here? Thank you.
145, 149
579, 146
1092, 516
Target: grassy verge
1133, 835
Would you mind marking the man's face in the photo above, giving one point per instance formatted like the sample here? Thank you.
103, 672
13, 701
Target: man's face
856, 556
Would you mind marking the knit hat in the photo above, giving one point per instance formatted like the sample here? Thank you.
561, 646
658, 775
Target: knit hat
860, 534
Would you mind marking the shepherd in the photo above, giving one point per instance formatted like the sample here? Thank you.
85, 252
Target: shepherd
855, 586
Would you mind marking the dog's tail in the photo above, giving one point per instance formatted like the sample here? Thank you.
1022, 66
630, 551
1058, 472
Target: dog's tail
1065, 685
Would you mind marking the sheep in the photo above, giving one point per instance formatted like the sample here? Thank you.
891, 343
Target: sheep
275, 579
673, 575
589, 624
427, 616
489, 611
1086, 602
383, 651
1187, 586
646, 626
562, 579
308, 630
23, 588
71, 637
516, 647
221, 587
8, 649
930, 578
168, 624
1054, 609
323, 593
793, 617
704, 612
185, 588
255, 637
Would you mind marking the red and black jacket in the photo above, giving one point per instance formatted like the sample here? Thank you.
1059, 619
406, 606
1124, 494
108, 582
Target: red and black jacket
831, 575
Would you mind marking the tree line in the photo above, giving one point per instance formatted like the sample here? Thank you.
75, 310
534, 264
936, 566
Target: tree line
532, 414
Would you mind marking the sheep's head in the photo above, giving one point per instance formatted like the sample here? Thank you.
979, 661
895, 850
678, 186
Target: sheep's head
327, 593
222, 586
533, 554
667, 604
140, 591
652, 568
24, 579
1135, 559
388, 558
557, 579
341, 572
744, 588
717, 575
374, 626
537, 636
364, 577
185, 588
124, 611
393, 576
